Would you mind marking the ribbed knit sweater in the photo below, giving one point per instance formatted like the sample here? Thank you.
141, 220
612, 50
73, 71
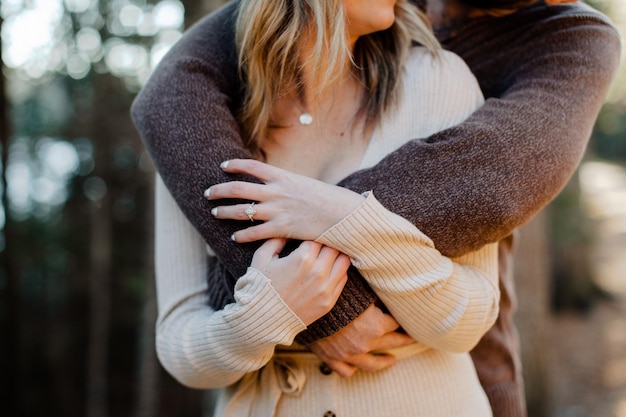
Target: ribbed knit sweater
446, 305
544, 71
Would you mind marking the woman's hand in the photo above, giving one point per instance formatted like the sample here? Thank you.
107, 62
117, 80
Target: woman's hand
290, 205
309, 279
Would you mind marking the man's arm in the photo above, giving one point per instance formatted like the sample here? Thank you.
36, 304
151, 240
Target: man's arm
473, 183
545, 82
185, 117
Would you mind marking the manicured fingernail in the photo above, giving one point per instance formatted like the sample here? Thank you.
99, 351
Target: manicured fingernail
214, 212
207, 193
224, 165
232, 237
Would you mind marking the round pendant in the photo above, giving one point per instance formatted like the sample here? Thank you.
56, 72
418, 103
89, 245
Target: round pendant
305, 119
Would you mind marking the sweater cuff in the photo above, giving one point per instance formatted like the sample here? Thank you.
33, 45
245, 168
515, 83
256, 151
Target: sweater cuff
361, 232
263, 316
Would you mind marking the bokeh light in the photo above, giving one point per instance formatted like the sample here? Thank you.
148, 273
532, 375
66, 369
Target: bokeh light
28, 35
45, 38
42, 37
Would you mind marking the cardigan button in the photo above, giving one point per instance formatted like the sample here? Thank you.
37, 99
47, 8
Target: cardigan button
325, 369
329, 414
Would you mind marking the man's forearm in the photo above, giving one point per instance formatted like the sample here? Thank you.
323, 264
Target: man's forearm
473, 184
185, 117
463, 187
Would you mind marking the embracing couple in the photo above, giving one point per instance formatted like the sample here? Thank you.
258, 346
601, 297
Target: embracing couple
339, 185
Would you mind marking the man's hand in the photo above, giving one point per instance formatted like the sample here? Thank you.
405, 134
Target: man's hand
356, 345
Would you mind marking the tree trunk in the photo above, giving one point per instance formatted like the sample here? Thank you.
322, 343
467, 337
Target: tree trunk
148, 379
100, 259
571, 243
9, 296
196, 9
100, 302
532, 279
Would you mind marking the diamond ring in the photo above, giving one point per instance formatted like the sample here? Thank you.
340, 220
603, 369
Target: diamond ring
250, 212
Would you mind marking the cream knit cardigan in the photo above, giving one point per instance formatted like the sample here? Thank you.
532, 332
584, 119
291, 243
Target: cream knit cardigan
445, 304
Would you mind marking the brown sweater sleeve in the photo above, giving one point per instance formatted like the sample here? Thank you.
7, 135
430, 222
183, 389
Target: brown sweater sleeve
469, 185
184, 114
545, 73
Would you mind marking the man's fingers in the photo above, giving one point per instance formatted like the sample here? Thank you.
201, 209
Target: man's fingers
343, 369
388, 323
392, 340
371, 362
367, 362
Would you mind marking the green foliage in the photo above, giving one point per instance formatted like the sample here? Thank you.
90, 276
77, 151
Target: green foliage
609, 136
78, 257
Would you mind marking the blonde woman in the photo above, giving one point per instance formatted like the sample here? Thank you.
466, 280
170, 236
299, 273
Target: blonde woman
326, 82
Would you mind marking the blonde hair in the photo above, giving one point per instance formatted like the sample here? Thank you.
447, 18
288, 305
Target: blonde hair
270, 36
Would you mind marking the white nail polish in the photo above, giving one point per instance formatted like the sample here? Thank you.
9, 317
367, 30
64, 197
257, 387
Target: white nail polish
207, 193
232, 237
214, 212
224, 165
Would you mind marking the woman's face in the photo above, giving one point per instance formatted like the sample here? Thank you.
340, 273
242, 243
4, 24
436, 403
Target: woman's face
368, 16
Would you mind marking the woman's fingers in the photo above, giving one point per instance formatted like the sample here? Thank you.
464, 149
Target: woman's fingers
296, 206
254, 168
255, 233
236, 189
309, 279
271, 248
249, 212
335, 273
308, 251
338, 268
268, 174
341, 264
267, 254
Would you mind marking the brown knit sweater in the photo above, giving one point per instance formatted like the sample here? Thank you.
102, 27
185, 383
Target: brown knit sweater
544, 71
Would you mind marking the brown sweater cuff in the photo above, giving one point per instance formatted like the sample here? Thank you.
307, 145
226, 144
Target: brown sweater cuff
506, 399
356, 297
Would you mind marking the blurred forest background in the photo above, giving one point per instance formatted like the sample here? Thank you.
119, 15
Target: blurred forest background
77, 302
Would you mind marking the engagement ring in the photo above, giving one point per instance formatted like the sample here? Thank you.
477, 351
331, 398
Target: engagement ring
250, 212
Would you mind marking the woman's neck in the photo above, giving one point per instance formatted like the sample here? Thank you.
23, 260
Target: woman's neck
332, 145
339, 100
315, 89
